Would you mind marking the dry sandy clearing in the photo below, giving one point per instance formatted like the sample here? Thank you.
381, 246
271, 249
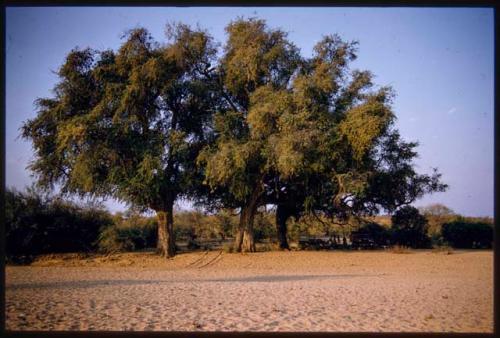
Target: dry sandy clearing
271, 291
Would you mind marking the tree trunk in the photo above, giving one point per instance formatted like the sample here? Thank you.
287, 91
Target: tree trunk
244, 241
282, 215
238, 241
166, 237
248, 238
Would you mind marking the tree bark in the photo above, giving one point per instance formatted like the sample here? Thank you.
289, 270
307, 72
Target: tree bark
238, 241
248, 238
166, 237
282, 215
244, 241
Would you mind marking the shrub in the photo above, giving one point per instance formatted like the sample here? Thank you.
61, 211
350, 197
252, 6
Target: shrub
37, 223
436, 215
195, 224
377, 232
128, 234
409, 228
225, 223
468, 235
113, 239
264, 226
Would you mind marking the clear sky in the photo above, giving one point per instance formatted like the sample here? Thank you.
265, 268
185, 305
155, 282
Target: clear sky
440, 61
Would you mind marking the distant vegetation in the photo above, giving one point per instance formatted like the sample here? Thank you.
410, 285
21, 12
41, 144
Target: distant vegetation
465, 234
38, 224
409, 228
128, 233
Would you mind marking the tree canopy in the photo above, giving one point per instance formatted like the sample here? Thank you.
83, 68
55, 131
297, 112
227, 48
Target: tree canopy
128, 124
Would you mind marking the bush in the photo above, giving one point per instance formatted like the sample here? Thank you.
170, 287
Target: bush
409, 228
225, 223
436, 215
377, 232
128, 234
194, 224
36, 224
264, 226
113, 239
468, 235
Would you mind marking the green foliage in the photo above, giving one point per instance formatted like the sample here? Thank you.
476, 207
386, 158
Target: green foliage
265, 227
129, 124
409, 228
363, 124
128, 234
377, 232
226, 223
126, 124
312, 226
255, 56
197, 225
466, 234
36, 223
261, 124
392, 181
256, 68
436, 215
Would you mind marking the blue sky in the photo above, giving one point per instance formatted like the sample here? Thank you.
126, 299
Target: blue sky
440, 61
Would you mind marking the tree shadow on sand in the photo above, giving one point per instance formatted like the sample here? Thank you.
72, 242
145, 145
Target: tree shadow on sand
131, 282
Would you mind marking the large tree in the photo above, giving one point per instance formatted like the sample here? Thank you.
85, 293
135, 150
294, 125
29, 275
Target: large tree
128, 124
253, 76
305, 134
322, 91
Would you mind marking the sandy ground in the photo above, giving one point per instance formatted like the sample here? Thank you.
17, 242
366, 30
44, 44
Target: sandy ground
271, 291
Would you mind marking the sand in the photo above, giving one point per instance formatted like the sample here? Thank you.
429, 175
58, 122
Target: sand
420, 291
